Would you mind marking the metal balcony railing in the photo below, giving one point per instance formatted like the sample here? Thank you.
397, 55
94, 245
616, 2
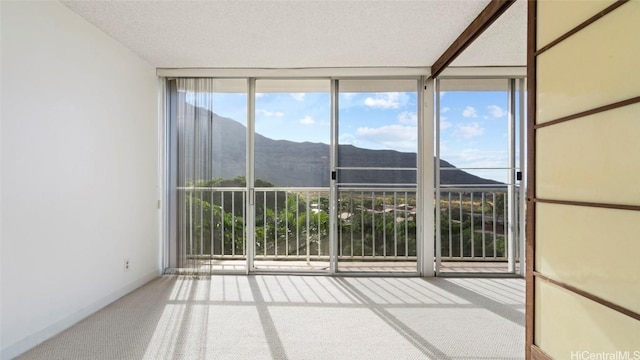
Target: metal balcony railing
474, 224
211, 222
377, 224
373, 224
292, 223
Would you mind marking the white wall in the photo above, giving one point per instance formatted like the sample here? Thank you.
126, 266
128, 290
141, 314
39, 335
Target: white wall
79, 171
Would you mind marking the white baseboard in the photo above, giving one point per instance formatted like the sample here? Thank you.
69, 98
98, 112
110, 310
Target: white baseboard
33, 340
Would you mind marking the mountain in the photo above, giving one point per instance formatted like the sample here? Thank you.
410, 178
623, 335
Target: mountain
288, 163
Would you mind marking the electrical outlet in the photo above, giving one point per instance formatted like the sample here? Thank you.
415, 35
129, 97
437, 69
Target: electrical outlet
126, 264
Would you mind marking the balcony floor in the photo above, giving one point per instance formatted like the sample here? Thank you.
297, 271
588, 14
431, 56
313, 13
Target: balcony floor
302, 317
476, 267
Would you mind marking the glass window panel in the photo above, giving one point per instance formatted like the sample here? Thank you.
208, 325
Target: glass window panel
208, 153
474, 130
377, 160
378, 123
211, 120
292, 140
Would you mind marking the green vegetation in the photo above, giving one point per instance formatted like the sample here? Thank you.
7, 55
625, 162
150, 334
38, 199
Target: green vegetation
459, 233
370, 224
214, 220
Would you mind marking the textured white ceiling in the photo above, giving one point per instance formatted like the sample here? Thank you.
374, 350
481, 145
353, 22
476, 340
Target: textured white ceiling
503, 44
302, 33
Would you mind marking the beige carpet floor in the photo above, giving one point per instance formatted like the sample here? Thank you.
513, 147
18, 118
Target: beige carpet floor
302, 317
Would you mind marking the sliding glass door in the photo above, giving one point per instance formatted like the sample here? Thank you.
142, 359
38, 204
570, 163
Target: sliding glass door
479, 190
294, 175
377, 175
207, 166
291, 154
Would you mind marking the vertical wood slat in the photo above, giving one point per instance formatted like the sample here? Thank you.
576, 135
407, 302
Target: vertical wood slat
531, 178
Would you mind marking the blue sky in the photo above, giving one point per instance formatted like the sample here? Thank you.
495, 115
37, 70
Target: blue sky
474, 131
297, 117
473, 124
474, 128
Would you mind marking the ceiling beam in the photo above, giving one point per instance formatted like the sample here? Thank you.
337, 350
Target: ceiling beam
486, 17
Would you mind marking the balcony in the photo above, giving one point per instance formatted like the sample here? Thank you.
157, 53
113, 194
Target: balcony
376, 230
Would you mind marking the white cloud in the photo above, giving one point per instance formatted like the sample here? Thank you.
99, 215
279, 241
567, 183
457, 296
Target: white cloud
470, 111
469, 131
479, 158
444, 124
268, 113
297, 96
307, 120
391, 100
348, 96
349, 139
445, 110
484, 158
408, 118
496, 111
259, 95
397, 137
